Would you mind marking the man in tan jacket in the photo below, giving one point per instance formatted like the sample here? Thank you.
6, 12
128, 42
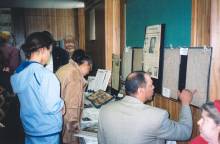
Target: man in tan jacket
73, 84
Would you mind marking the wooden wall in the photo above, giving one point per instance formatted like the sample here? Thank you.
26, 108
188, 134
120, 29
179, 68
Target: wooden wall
96, 47
173, 107
60, 22
215, 43
201, 14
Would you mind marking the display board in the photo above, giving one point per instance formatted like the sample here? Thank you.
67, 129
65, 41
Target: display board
115, 72
187, 68
137, 62
126, 62
198, 74
152, 46
171, 72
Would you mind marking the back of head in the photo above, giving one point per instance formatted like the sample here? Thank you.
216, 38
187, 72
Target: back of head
79, 56
49, 35
213, 109
134, 81
35, 41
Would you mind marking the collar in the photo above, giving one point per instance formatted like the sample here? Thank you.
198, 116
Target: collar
24, 65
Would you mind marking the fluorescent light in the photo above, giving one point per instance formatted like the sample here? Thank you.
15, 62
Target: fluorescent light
59, 4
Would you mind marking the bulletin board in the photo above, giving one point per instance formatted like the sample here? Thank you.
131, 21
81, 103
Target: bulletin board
171, 72
198, 74
191, 71
137, 60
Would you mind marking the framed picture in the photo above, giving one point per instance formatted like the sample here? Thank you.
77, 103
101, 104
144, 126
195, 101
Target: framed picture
153, 52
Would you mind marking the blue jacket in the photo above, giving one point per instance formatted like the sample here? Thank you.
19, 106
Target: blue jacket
38, 91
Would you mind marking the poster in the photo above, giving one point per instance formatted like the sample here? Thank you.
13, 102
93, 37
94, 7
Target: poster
151, 52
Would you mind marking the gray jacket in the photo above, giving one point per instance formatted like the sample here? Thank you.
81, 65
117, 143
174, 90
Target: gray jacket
129, 121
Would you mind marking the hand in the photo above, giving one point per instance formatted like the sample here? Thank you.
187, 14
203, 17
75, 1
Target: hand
73, 126
6, 69
186, 96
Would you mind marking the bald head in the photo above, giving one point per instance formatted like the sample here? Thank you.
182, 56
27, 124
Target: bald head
134, 81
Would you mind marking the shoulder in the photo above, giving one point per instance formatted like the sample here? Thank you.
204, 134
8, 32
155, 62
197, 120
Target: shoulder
42, 72
59, 51
156, 112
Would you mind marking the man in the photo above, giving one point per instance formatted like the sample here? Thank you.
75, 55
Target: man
130, 121
72, 81
59, 56
70, 44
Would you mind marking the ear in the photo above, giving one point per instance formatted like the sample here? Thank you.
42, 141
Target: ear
140, 90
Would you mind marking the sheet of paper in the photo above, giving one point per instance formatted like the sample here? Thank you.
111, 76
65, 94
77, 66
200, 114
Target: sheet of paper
102, 79
91, 82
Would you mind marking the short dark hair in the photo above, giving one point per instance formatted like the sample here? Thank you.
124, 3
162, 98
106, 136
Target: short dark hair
134, 81
49, 35
80, 56
35, 41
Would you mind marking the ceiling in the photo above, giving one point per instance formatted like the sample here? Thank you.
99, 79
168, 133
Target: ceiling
62, 4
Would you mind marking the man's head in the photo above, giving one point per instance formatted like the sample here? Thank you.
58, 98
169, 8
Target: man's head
70, 44
139, 85
83, 60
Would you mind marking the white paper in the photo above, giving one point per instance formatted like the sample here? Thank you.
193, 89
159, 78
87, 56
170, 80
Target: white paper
166, 92
183, 51
91, 82
101, 79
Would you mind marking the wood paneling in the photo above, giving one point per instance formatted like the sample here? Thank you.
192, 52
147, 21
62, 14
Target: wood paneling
173, 107
81, 27
108, 33
113, 27
200, 33
96, 48
215, 43
60, 22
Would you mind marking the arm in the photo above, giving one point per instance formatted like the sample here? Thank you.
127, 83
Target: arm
49, 96
181, 130
73, 97
172, 130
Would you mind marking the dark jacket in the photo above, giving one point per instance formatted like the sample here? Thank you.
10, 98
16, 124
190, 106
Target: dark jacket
60, 57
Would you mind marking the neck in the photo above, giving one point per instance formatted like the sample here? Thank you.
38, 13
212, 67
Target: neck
36, 58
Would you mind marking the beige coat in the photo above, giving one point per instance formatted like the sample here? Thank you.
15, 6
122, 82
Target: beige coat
72, 88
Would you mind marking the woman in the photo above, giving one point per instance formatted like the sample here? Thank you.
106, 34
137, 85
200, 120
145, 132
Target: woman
209, 124
38, 91
72, 81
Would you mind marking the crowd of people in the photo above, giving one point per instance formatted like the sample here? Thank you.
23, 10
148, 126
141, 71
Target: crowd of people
50, 85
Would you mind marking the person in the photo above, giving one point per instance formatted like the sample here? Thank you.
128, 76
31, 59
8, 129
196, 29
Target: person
130, 121
70, 44
38, 92
9, 59
209, 124
72, 81
59, 56
11, 54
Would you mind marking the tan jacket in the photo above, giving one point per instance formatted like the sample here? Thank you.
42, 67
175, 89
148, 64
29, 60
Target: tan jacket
72, 88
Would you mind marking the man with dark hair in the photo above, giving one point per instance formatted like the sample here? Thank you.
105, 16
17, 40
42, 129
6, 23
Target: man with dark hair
130, 121
72, 81
59, 56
